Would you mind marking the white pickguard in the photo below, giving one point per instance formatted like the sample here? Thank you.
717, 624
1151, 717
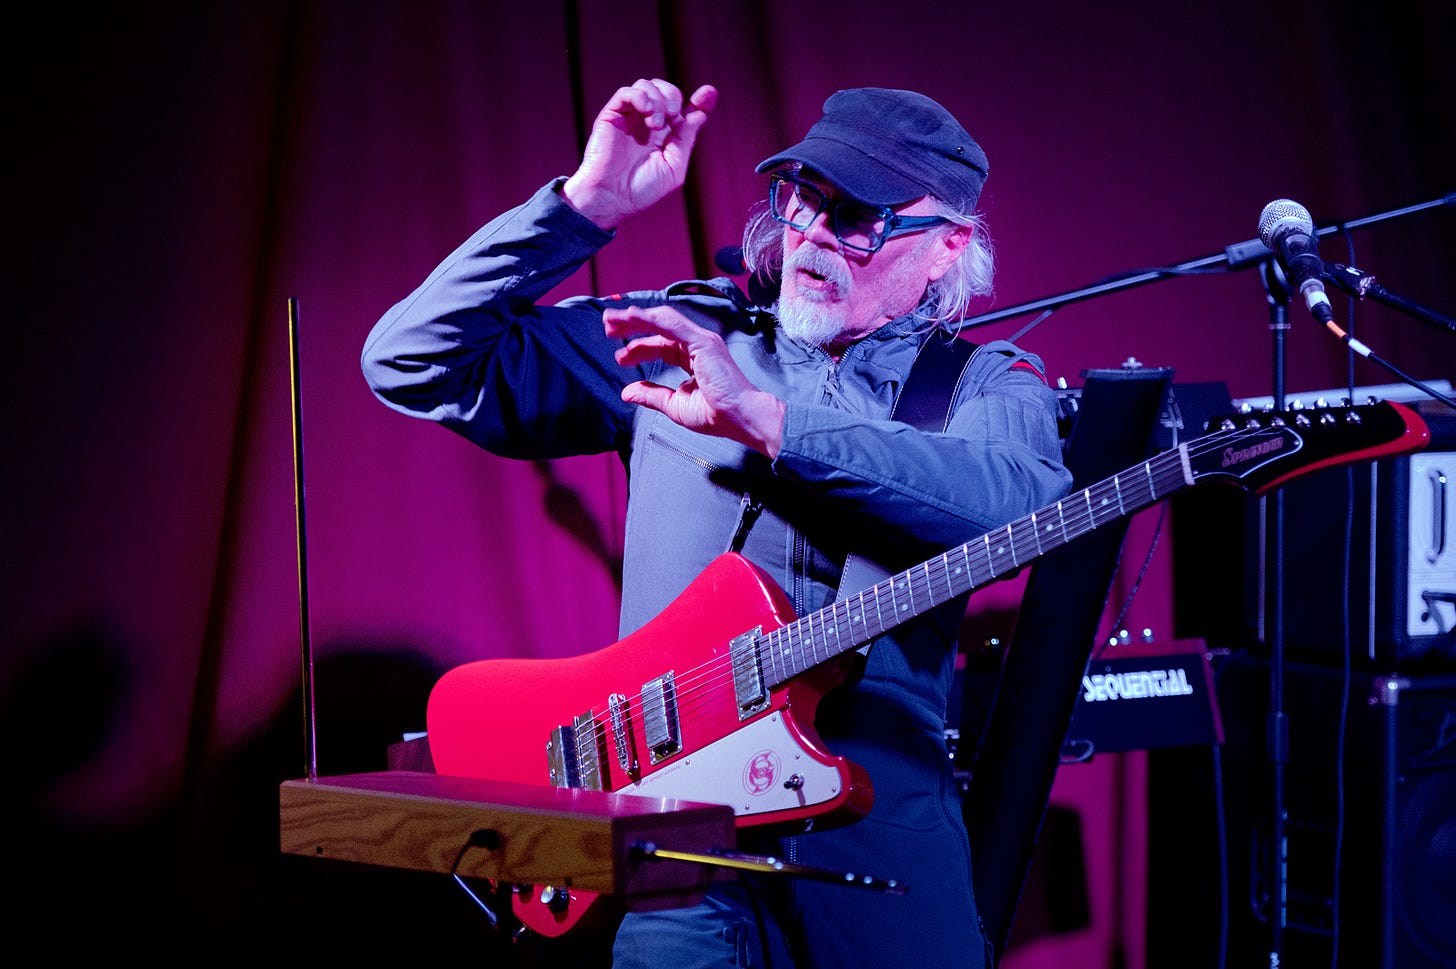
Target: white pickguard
756, 769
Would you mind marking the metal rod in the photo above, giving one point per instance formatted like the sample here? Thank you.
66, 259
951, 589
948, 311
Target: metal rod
310, 733
768, 864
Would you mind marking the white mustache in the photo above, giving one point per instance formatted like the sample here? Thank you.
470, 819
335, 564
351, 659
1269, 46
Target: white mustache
821, 263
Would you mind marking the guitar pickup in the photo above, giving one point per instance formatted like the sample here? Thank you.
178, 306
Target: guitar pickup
622, 733
748, 674
660, 724
574, 753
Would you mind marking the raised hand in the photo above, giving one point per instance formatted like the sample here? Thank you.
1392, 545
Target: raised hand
638, 150
716, 398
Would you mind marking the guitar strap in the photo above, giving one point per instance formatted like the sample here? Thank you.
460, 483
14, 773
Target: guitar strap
924, 403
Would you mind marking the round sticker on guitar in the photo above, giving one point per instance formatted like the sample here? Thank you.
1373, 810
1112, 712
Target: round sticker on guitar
760, 771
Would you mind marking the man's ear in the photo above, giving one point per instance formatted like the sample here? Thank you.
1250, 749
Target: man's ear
947, 249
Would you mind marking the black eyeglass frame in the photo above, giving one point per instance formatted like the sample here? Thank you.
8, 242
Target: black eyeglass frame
894, 224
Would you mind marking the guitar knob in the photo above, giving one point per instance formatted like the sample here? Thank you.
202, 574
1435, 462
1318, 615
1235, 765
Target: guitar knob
794, 783
556, 899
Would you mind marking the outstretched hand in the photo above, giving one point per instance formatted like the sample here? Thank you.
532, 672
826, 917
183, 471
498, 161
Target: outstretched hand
716, 398
638, 150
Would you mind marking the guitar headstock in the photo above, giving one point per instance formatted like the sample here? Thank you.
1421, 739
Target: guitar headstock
1262, 450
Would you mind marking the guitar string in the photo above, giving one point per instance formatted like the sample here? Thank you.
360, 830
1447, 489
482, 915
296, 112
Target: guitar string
782, 649
701, 688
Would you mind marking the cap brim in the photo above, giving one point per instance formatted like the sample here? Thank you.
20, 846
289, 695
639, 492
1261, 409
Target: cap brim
851, 170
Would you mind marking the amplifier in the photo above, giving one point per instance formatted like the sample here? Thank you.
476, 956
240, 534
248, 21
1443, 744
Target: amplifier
1400, 519
1369, 551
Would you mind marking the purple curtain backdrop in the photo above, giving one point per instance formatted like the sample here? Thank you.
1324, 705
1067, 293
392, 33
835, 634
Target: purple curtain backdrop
184, 171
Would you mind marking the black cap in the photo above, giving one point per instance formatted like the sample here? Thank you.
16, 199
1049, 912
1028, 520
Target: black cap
887, 147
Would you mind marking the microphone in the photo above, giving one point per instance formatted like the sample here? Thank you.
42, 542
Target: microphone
763, 288
729, 259
1286, 228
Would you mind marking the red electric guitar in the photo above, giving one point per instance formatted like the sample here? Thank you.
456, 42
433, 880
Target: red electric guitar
714, 699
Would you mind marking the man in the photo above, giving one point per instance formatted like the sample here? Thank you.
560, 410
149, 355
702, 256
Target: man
768, 430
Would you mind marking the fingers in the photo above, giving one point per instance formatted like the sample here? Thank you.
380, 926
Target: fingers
703, 101
646, 348
653, 333
659, 104
646, 394
656, 103
629, 322
705, 98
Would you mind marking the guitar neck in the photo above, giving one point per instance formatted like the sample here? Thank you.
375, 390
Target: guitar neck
858, 619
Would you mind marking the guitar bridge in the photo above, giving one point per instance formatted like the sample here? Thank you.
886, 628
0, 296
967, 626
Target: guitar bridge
660, 724
574, 753
748, 674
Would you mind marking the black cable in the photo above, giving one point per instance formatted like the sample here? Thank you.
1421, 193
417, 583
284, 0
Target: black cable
1343, 718
486, 838
1137, 583
1221, 823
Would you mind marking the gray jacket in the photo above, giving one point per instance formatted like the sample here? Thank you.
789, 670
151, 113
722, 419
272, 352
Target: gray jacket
472, 349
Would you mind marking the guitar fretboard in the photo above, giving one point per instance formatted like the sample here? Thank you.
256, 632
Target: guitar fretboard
858, 619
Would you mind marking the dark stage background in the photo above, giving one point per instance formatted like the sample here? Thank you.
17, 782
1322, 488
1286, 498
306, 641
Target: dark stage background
180, 171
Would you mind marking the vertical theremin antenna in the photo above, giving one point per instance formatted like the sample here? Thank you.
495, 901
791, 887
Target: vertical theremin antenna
309, 727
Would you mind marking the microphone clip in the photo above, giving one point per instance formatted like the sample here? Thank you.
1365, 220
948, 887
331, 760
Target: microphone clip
1358, 284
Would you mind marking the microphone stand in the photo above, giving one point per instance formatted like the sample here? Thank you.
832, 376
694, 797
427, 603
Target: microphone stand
1241, 255
1278, 293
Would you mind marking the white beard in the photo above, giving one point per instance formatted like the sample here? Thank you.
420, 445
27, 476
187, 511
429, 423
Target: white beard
810, 321
819, 317
814, 317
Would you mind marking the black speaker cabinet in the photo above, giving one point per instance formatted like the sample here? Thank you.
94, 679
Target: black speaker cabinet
1369, 556
1379, 882
1402, 564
